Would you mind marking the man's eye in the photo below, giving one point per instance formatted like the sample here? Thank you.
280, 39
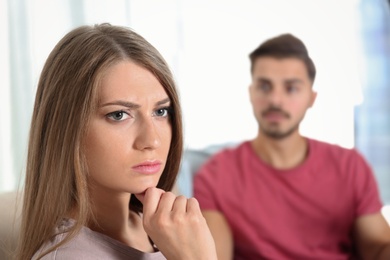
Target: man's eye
265, 87
117, 115
292, 89
162, 112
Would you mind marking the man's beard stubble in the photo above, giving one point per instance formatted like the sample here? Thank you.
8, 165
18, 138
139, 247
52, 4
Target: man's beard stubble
275, 134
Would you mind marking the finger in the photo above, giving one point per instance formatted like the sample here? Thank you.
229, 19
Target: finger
180, 204
151, 201
193, 206
194, 214
166, 203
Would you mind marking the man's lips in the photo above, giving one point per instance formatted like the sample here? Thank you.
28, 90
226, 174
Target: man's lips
148, 167
274, 115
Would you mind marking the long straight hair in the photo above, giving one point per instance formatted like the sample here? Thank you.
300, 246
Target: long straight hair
67, 94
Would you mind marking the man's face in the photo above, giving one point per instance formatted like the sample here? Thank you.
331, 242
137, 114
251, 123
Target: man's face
280, 93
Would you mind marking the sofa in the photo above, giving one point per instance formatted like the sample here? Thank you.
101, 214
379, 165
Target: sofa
191, 161
10, 205
10, 202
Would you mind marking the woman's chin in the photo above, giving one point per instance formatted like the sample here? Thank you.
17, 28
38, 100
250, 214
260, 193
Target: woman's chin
140, 196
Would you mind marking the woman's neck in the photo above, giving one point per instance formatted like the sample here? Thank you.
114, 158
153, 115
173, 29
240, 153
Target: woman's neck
113, 218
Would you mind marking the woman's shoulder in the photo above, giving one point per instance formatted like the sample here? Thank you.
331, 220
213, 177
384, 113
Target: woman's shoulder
88, 244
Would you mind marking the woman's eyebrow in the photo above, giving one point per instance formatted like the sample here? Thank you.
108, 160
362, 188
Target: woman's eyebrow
121, 103
132, 105
161, 102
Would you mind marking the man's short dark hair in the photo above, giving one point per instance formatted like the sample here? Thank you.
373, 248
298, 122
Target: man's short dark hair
284, 46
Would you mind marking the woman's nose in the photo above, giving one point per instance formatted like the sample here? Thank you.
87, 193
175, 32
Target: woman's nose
148, 137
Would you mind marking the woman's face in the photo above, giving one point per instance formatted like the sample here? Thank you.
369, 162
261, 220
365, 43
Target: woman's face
129, 135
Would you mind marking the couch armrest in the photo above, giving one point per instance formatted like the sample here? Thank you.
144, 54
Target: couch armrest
10, 205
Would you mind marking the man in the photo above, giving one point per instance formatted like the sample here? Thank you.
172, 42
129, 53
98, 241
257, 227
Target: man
282, 195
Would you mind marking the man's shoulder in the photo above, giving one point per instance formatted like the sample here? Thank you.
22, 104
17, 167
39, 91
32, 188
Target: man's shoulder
327, 151
230, 152
329, 147
225, 158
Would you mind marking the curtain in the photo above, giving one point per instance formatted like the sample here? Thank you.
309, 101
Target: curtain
28, 32
372, 121
17, 94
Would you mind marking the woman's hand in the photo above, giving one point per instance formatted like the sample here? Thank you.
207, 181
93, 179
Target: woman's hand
177, 226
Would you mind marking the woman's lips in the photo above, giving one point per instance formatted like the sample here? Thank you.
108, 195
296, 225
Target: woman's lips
151, 167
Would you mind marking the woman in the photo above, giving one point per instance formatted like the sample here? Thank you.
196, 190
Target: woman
105, 144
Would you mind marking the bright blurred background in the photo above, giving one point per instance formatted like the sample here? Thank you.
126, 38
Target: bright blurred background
206, 43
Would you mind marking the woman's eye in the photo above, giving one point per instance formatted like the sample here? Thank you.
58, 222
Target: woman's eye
161, 112
117, 115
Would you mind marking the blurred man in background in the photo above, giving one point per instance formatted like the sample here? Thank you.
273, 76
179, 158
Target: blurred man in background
283, 195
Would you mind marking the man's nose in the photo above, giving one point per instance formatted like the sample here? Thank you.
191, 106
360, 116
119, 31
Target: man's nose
276, 97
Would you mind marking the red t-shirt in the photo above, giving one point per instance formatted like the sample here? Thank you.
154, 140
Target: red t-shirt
302, 213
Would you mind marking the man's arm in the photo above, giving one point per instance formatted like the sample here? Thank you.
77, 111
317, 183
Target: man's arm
372, 235
221, 233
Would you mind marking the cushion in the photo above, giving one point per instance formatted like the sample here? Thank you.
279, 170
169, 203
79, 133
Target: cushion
10, 222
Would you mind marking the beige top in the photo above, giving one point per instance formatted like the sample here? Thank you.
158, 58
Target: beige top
91, 245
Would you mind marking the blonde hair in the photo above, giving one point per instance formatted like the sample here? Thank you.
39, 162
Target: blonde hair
67, 94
